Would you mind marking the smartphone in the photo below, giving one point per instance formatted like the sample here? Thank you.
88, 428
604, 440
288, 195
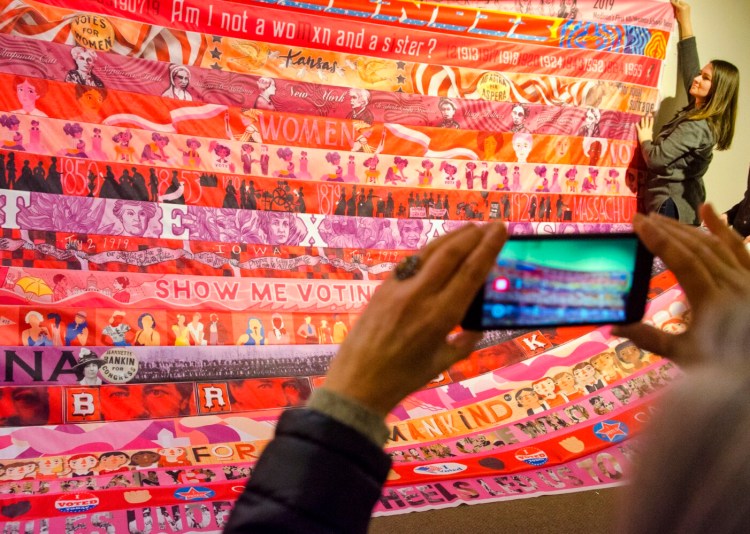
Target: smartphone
559, 280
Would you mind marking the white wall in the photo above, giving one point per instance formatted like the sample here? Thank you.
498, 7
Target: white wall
722, 28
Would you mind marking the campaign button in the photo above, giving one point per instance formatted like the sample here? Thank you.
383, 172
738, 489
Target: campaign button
78, 502
532, 456
440, 469
611, 431
194, 493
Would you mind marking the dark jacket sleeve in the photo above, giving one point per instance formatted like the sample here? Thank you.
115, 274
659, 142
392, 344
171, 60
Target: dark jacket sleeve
317, 475
687, 58
738, 215
732, 212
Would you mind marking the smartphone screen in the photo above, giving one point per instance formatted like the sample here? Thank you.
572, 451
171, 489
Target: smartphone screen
564, 280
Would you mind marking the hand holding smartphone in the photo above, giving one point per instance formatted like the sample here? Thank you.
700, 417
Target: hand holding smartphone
560, 280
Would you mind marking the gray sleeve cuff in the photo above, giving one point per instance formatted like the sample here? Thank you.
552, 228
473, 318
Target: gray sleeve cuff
350, 413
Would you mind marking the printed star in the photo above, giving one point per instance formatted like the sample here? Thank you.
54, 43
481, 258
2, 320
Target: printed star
216, 66
401, 79
193, 494
400, 65
216, 38
611, 431
216, 53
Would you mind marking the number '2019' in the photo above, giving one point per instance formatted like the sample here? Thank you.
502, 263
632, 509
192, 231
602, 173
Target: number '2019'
604, 4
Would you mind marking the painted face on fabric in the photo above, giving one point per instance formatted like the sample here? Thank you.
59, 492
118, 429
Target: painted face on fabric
172, 453
630, 354
410, 234
604, 361
529, 399
147, 321
490, 146
265, 393
590, 118
356, 100
82, 465
549, 7
586, 375
91, 100
84, 62
27, 95
134, 220
112, 462
447, 111
181, 79
566, 382
562, 147
164, 400
279, 231
121, 403
50, 464
545, 388
145, 458
255, 326
674, 326
522, 147
28, 405
20, 472
91, 370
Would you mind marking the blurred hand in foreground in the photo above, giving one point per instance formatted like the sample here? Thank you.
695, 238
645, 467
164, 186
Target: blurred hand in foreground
713, 268
400, 342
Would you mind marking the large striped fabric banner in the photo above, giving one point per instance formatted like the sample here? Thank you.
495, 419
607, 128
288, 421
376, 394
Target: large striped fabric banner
197, 200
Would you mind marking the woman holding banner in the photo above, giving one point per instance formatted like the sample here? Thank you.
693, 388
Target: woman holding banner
679, 156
